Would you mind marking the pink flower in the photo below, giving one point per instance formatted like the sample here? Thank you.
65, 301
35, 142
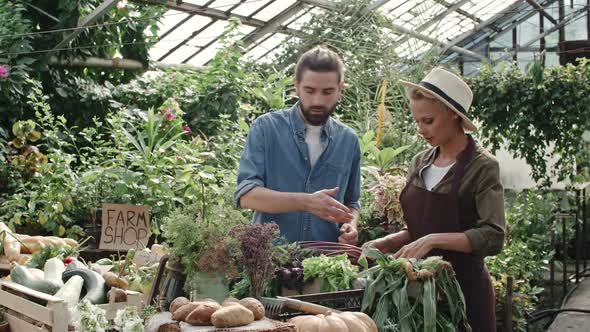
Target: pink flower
188, 130
169, 116
4, 73
121, 5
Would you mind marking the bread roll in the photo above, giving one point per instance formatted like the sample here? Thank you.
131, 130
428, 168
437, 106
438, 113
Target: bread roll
255, 306
232, 316
202, 314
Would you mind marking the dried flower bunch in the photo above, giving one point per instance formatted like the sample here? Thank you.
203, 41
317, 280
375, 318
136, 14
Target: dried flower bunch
386, 198
256, 253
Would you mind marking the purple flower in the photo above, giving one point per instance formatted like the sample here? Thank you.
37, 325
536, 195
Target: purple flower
169, 116
188, 130
4, 73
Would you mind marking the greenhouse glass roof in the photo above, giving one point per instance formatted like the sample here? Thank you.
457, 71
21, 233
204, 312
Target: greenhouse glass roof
189, 31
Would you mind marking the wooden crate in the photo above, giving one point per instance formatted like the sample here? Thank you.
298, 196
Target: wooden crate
29, 310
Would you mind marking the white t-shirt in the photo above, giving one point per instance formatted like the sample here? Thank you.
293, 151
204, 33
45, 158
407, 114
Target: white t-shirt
433, 174
313, 136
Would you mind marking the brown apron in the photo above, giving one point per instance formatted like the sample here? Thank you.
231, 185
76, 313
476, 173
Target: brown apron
429, 212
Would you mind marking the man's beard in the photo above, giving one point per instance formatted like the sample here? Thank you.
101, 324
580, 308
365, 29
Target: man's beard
316, 119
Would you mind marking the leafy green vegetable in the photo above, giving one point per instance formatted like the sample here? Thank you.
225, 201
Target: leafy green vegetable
335, 273
421, 296
40, 257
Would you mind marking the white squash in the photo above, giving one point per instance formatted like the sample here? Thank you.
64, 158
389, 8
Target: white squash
332, 322
71, 291
367, 321
54, 268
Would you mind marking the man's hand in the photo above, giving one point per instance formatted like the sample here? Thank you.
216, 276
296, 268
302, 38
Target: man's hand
323, 205
348, 234
417, 249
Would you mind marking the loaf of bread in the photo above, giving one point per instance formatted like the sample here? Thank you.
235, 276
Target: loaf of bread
178, 302
230, 301
253, 305
232, 316
201, 315
181, 313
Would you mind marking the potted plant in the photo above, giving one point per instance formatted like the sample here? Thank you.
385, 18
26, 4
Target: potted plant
4, 326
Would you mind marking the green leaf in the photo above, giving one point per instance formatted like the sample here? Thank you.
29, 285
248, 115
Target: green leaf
368, 136
243, 125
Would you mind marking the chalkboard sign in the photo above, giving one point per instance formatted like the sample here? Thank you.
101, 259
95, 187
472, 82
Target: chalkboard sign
124, 227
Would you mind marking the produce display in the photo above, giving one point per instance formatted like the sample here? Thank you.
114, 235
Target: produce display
399, 294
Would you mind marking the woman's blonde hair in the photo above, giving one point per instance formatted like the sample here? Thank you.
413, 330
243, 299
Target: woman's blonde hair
418, 94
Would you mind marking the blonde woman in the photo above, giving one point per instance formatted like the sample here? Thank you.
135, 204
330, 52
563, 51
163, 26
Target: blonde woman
453, 202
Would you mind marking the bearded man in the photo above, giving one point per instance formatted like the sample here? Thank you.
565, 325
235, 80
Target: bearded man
300, 167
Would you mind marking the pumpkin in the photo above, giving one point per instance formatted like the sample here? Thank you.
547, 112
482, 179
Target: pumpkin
341, 322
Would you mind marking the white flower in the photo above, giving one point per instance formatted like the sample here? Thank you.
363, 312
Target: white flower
128, 320
90, 318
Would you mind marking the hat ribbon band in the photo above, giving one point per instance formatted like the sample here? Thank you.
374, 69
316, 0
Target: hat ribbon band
441, 93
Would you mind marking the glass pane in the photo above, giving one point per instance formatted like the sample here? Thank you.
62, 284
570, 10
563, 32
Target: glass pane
248, 7
527, 31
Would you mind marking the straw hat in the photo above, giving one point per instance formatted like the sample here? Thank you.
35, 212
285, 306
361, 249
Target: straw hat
449, 89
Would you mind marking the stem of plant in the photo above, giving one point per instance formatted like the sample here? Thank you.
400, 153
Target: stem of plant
203, 201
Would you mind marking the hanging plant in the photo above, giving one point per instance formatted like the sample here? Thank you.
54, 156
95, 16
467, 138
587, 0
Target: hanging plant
537, 114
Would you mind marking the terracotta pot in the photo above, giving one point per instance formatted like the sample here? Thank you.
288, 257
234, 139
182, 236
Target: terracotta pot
4, 327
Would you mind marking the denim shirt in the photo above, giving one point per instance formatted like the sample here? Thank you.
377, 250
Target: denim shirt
276, 157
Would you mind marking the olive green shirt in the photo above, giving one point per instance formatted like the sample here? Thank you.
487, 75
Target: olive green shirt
481, 198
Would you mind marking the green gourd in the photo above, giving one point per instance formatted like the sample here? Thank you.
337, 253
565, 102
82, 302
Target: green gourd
94, 284
22, 276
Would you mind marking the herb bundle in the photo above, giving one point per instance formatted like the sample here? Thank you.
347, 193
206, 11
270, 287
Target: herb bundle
256, 253
409, 295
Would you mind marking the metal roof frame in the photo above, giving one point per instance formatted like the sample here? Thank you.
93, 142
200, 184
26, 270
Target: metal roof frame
466, 42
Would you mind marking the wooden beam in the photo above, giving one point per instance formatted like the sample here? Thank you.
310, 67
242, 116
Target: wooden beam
542, 10
437, 18
213, 13
461, 11
481, 26
273, 24
554, 28
86, 21
128, 64
332, 5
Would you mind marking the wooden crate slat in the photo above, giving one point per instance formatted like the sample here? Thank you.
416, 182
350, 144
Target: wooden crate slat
26, 307
31, 292
61, 316
19, 325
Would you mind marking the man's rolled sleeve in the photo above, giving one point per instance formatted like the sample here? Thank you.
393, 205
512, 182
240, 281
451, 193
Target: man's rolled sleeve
353, 189
487, 238
251, 172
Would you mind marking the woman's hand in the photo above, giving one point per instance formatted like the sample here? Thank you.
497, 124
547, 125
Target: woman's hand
417, 249
383, 244
390, 242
